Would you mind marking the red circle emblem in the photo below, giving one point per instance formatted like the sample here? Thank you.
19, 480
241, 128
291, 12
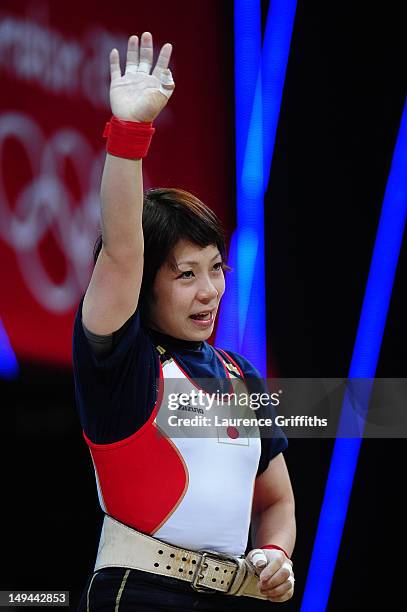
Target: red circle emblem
232, 432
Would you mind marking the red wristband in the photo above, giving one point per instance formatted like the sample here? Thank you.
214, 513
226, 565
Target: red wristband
128, 139
271, 546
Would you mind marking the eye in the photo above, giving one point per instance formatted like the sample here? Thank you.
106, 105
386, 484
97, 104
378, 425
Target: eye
187, 274
218, 266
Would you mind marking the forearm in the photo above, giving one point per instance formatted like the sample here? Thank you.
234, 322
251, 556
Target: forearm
275, 525
122, 205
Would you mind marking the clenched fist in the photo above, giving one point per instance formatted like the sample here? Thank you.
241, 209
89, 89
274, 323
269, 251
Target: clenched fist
275, 572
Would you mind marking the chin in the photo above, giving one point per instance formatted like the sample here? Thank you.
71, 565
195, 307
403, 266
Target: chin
193, 335
203, 334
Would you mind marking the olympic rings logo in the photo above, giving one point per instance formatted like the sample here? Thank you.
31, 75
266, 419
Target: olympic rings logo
46, 205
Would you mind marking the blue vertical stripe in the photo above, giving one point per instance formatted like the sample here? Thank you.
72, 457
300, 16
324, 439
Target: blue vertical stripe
242, 318
8, 361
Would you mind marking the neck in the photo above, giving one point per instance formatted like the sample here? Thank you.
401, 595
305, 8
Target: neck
162, 338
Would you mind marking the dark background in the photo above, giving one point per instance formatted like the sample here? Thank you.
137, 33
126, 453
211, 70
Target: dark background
341, 109
342, 105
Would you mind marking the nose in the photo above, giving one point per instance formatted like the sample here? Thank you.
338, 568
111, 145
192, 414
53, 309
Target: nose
207, 292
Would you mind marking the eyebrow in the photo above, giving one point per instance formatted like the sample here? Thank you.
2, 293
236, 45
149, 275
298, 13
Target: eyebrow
196, 263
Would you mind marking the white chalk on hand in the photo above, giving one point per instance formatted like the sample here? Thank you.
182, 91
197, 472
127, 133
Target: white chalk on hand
144, 67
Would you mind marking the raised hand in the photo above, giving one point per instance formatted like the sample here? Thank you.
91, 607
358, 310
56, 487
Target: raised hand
138, 95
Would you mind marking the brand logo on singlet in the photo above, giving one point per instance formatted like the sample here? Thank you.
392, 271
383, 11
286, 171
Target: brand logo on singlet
190, 408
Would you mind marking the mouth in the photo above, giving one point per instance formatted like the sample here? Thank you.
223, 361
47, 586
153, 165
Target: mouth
203, 319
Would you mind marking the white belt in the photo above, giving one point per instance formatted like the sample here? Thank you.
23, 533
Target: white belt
205, 570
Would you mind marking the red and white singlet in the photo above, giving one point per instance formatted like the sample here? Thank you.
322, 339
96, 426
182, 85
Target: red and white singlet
195, 493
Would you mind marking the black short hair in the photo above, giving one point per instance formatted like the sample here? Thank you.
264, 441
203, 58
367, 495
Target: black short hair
171, 215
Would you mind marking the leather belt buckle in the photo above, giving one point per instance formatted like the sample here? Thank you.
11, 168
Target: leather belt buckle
203, 565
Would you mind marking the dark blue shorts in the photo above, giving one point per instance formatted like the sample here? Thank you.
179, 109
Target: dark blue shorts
124, 590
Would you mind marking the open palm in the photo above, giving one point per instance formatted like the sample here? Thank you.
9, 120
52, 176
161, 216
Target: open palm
138, 95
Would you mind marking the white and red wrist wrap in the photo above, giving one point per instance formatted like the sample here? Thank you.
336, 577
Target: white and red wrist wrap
128, 139
274, 546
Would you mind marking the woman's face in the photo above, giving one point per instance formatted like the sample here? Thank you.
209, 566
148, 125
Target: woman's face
196, 287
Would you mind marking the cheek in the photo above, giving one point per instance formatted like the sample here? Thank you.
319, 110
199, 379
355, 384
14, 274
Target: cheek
179, 298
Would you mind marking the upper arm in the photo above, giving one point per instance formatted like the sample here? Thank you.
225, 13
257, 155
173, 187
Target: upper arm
113, 292
272, 485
